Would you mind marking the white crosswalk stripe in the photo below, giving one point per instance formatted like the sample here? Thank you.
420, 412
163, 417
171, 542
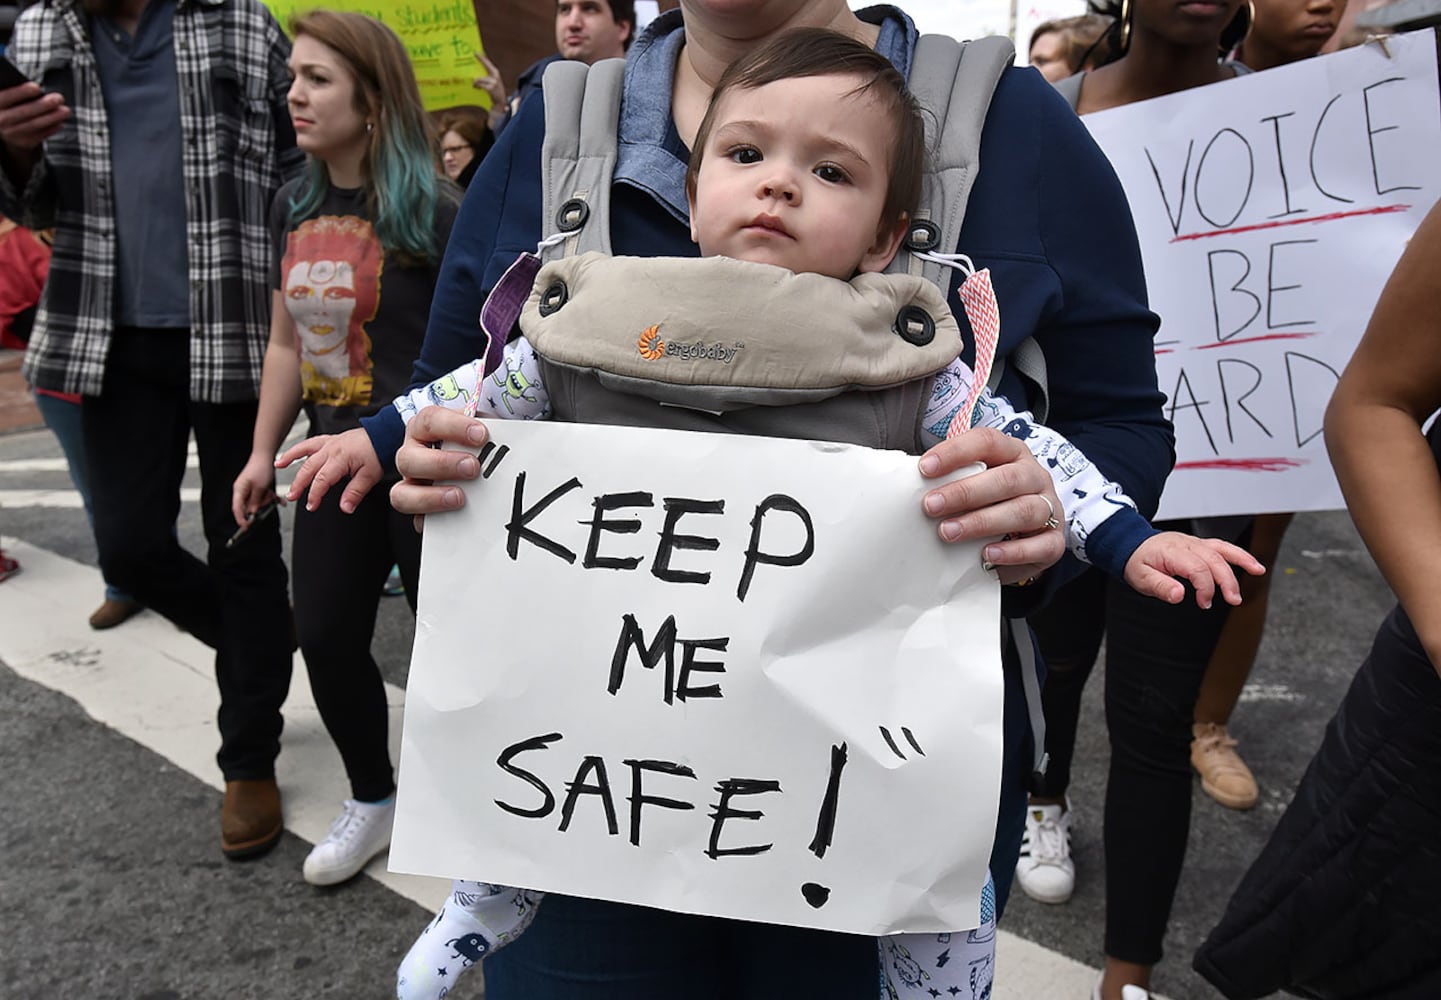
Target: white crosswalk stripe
69, 499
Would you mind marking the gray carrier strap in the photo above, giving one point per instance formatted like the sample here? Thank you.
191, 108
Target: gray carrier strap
954, 82
582, 117
1030, 363
1031, 685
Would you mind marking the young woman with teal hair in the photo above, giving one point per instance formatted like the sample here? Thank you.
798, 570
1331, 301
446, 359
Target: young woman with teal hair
358, 242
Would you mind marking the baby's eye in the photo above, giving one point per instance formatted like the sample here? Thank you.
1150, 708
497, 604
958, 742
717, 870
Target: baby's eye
831, 174
745, 154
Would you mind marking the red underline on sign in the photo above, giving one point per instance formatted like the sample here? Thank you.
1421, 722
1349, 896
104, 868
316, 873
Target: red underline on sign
1256, 340
1382, 210
1245, 464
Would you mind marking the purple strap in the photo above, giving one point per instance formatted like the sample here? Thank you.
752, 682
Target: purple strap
502, 307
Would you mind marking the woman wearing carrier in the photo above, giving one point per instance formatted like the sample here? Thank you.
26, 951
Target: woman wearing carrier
1051, 285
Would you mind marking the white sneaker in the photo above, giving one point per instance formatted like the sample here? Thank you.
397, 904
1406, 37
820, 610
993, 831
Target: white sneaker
359, 833
1045, 870
1128, 992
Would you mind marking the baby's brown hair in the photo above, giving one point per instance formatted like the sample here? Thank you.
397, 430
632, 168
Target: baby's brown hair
805, 52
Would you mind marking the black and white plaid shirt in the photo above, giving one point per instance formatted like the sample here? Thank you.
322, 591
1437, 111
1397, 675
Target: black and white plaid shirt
239, 148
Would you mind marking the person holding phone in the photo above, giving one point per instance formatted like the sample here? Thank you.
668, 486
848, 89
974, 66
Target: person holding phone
10, 75
156, 313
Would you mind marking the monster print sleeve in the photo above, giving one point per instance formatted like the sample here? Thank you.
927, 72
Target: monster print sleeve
514, 391
1090, 500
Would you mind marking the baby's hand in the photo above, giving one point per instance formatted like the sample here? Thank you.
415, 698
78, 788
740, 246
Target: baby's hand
1205, 562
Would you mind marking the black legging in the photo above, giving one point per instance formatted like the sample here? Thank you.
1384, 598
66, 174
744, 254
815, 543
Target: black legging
339, 563
1156, 655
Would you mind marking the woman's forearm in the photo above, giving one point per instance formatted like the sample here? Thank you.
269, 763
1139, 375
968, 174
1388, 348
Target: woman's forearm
1393, 490
1373, 432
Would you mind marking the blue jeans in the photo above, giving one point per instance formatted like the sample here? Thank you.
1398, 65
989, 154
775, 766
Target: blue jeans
63, 419
585, 949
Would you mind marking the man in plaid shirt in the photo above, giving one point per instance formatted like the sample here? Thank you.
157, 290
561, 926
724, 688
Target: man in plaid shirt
153, 140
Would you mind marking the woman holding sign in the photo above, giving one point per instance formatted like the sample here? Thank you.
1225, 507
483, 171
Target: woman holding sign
1051, 285
1156, 654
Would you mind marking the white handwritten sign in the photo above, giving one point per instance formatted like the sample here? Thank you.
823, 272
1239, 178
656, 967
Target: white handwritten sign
726, 675
1271, 209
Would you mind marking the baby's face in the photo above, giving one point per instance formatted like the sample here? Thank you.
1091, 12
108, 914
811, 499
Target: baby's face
795, 174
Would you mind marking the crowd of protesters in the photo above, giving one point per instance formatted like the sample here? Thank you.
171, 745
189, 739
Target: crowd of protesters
291, 235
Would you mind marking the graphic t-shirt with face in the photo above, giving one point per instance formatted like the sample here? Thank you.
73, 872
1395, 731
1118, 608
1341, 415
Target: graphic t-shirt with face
360, 313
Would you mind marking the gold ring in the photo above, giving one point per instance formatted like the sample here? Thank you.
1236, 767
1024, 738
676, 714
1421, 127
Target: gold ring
1050, 521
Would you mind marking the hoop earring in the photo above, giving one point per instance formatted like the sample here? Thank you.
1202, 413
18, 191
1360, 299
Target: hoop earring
1125, 25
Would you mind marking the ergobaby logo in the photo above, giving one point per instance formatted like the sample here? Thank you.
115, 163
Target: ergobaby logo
650, 346
653, 348
701, 351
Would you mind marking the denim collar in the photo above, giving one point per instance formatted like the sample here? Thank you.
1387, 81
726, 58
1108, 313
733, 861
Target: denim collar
651, 156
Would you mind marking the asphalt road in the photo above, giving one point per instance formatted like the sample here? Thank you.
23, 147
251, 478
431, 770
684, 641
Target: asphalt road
112, 884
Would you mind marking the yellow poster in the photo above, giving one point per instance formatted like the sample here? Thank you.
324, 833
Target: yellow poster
441, 36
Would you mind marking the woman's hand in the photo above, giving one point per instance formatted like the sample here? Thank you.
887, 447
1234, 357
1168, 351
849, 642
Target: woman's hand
253, 489
330, 458
1013, 499
421, 462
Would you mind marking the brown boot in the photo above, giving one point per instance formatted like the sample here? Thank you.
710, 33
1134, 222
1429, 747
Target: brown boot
114, 612
250, 821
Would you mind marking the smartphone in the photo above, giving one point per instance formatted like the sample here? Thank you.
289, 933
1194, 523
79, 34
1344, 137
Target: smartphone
10, 75
240, 533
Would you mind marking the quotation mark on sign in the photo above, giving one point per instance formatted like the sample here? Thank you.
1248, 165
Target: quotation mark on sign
890, 742
499, 455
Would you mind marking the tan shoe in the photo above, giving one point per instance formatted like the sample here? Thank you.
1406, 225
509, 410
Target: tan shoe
250, 820
113, 613
1224, 775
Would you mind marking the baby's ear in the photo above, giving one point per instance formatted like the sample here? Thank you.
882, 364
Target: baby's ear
888, 243
690, 203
